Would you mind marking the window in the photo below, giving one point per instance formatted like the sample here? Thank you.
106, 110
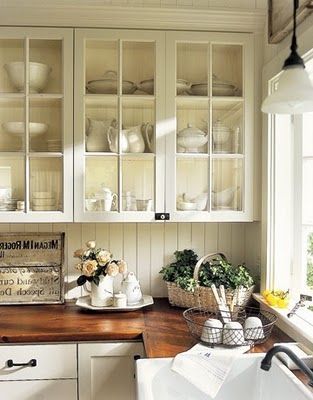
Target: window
290, 205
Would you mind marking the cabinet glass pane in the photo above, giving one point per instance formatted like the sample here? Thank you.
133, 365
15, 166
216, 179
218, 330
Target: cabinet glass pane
138, 118
227, 70
12, 183
138, 62
46, 182
101, 183
192, 177
12, 61
46, 121
307, 185
227, 126
192, 125
101, 116
227, 184
101, 66
138, 184
45, 66
12, 125
192, 69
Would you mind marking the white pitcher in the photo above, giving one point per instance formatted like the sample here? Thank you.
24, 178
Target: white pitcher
148, 134
96, 134
109, 199
101, 295
131, 287
112, 135
134, 136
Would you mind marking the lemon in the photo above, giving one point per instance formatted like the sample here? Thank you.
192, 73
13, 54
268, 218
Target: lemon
272, 300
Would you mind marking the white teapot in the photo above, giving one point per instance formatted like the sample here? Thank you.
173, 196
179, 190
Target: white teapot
131, 287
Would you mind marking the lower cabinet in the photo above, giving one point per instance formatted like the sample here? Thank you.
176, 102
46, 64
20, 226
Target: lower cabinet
107, 370
38, 372
71, 371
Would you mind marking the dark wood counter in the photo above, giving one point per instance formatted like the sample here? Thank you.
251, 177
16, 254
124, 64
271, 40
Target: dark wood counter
161, 327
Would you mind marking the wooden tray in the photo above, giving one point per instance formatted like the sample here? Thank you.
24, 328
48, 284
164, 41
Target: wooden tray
84, 302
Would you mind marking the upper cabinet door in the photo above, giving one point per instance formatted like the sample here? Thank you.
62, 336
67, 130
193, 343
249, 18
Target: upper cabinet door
36, 88
119, 125
210, 106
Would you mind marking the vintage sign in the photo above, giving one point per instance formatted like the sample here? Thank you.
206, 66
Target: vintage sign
29, 285
31, 249
31, 268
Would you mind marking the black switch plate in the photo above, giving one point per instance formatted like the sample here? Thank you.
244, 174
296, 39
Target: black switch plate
162, 216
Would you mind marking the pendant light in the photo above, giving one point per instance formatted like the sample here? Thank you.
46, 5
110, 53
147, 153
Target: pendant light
294, 94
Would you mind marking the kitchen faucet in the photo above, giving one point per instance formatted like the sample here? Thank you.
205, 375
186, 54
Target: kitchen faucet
266, 363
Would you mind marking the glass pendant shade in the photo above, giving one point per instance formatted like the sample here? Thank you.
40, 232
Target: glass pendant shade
294, 94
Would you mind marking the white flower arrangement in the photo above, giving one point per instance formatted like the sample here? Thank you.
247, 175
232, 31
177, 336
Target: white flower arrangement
96, 262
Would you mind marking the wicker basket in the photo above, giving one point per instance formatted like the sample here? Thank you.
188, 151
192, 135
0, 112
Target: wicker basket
203, 296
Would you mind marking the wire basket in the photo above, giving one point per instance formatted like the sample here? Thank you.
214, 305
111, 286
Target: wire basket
197, 318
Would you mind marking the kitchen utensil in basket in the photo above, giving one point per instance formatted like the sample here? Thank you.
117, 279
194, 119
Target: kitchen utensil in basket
196, 317
203, 296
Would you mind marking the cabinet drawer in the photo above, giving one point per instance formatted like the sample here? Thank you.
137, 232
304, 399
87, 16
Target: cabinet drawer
39, 390
52, 361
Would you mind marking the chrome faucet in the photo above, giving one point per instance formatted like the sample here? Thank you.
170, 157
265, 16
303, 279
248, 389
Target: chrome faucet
266, 363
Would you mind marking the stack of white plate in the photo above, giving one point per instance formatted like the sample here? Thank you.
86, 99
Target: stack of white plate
8, 204
54, 145
43, 201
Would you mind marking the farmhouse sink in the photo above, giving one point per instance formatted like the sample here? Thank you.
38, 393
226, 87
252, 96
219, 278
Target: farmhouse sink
246, 381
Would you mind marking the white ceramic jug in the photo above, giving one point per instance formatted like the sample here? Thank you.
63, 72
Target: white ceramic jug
96, 134
112, 135
109, 199
131, 287
148, 134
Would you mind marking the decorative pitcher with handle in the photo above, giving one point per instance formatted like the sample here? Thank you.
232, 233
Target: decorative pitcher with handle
131, 287
101, 295
132, 139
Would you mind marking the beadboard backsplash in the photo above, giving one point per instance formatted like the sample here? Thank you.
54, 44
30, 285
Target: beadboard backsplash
148, 246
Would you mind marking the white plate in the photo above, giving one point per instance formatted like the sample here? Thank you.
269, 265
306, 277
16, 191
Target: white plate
84, 302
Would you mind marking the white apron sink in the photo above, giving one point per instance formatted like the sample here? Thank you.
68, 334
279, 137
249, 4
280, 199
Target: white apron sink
246, 381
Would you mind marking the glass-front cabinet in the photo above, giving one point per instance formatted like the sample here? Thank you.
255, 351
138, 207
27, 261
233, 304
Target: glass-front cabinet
119, 125
210, 106
36, 75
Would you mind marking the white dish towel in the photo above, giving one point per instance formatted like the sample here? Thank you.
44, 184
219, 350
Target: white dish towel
207, 368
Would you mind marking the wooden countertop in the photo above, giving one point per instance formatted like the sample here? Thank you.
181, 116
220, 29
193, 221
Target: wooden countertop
162, 328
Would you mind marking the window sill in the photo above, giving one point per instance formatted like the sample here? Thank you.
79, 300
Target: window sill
296, 327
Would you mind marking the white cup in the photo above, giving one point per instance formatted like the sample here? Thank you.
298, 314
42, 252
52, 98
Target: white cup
120, 300
144, 205
253, 328
233, 334
212, 331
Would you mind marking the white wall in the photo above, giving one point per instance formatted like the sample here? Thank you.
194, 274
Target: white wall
148, 246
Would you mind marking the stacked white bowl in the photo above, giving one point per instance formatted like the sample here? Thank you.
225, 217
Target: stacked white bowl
43, 201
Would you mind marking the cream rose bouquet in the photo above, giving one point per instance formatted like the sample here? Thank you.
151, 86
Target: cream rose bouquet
96, 262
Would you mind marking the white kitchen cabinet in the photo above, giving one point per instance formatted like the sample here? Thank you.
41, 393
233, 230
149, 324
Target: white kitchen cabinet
53, 374
107, 370
36, 152
119, 136
209, 106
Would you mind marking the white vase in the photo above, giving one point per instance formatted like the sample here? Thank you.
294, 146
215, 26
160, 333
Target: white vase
102, 295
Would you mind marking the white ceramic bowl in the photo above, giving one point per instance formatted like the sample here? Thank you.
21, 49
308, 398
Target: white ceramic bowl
212, 331
223, 198
253, 328
44, 202
147, 86
186, 206
233, 334
38, 75
199, 89
44, 208
18, 128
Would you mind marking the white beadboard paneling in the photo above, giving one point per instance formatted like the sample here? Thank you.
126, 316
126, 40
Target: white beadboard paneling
184, 236
224, 239
130, 246
197, 238
103, 236
148, 247
116, 240
74, 242
237, 243
157, 259
143, 256
211, 237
